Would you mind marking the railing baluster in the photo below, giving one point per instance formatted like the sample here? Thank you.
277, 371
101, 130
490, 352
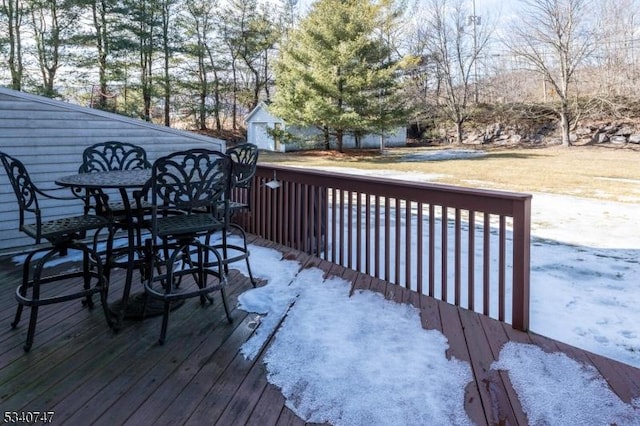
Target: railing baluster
419, 242
387, 239
341, 228
333, 226
457, 250
350, 229
502, 268
471, 259
359, 231
367, 268
304, 229
377, 237
398, 233
444, 251
325, 221
407, 244
486, 265
432, 250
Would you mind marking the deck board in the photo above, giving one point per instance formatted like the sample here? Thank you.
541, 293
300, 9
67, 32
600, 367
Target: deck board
88, 374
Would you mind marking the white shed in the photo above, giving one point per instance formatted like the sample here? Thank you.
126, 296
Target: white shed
260, 119
48, 136
257, 122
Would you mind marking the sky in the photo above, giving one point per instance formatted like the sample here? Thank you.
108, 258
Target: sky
339, 359
495, 8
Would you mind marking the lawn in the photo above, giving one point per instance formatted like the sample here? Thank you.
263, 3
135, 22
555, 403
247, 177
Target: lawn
605, 173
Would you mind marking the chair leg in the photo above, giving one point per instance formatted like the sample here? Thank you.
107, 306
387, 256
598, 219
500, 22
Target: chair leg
103, 285
86, 268
225, 255
35, 295
253, 281
22, 289
243, 235
32, 328
18, 315
226, 305
165, 322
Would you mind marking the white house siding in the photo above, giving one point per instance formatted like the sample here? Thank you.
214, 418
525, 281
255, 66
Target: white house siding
48, 136
260, 136
260, 119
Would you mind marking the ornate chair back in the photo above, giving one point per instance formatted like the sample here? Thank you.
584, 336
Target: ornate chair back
113, 155
191, 180
245, 160
25, 190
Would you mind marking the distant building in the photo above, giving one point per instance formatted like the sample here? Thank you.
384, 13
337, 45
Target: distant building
260, 122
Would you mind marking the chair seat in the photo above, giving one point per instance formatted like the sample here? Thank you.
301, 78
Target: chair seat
235, 205
187, 224
67, 226
118, 209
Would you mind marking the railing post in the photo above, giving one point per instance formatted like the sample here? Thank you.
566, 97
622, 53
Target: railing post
521, 263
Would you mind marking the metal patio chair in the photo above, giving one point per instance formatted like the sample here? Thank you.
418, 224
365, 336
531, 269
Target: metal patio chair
238, 198
188, 182
63, 235
114, 155
110, 156
245, 159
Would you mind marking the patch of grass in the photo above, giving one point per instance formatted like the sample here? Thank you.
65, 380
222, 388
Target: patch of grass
589, 171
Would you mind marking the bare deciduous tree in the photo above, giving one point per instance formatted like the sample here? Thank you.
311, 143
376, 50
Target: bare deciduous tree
614, 70
453, 42
555, 37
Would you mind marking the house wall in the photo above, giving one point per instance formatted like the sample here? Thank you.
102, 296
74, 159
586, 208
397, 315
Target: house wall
260, 119
48, 136
314, 140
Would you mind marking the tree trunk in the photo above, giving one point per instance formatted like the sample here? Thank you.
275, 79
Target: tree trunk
234, 105
13, 10
166, 14
564, 124
202, 111
459, 132
327, 144
100, 26
339, 137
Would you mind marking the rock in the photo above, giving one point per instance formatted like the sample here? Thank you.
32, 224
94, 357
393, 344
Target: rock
600, 138
634, 138
618, 140
624, 131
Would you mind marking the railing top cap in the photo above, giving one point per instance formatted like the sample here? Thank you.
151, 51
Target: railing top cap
332, 179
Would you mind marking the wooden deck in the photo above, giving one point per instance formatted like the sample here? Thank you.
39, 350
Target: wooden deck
86, 374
